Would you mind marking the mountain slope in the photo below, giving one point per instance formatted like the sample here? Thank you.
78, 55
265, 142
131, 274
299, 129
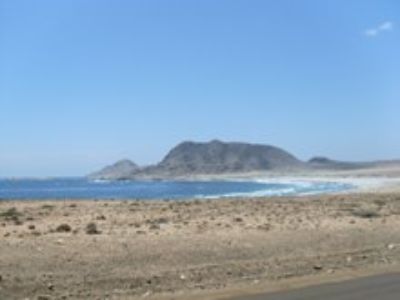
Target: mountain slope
217, 157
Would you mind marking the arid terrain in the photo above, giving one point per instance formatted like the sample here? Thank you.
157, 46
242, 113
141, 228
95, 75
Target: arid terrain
171, 250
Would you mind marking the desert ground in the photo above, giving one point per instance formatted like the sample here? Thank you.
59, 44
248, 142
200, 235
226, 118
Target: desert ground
195, 249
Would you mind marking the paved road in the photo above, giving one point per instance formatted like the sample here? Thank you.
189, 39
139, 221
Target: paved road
383, 287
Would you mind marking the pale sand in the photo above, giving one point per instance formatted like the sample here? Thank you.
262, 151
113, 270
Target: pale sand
371, 184
368, 180
195, 249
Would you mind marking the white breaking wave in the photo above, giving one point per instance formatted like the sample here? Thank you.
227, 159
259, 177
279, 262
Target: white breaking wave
289, 188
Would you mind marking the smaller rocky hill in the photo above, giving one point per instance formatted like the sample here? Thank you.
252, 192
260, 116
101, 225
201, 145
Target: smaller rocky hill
121, 169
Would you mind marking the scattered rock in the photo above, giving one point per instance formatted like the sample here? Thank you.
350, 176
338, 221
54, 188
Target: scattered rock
155, 227
17, 221
63, 228
31, 227
318, 267
161, 221
391, 246
100, 218
146, 294
265, 227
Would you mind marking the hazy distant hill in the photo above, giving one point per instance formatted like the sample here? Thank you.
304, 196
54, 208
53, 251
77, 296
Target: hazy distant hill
325, 163
121, 169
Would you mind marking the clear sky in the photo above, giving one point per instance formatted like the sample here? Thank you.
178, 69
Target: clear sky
86, 82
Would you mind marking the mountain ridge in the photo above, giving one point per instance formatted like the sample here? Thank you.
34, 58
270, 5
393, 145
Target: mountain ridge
190, 158
214, 157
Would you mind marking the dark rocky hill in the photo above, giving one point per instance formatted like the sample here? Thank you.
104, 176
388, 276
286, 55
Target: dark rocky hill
215, 157
218, 157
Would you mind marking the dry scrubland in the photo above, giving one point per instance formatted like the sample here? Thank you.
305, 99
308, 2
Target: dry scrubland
137, 249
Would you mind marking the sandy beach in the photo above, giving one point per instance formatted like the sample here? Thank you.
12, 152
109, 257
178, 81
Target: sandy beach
208, 249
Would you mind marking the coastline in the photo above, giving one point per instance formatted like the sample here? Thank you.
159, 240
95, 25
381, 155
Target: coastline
383, 179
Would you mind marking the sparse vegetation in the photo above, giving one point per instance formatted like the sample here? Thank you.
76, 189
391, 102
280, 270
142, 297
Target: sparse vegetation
48, 206
366, 213
91, 228
63, 228
11, 213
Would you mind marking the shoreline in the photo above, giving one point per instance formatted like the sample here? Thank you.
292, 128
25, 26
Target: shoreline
339, 185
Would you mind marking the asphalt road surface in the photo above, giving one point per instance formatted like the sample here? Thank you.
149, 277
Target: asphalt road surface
383, 287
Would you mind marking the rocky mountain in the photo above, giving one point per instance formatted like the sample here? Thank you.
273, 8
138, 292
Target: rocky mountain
218, 157
215, 157
121, 169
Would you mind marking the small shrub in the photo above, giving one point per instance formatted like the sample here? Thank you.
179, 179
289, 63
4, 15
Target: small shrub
91, 228
63, 228
366, 213
11, 213
48, 206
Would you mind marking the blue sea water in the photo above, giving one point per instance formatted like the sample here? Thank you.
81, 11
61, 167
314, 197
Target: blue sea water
81, 188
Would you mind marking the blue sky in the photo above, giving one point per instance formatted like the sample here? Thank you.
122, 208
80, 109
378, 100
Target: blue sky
86, 82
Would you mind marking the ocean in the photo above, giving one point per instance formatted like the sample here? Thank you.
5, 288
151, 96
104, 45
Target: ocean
82, 188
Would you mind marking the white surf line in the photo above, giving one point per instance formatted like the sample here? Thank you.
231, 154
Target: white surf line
360, 184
